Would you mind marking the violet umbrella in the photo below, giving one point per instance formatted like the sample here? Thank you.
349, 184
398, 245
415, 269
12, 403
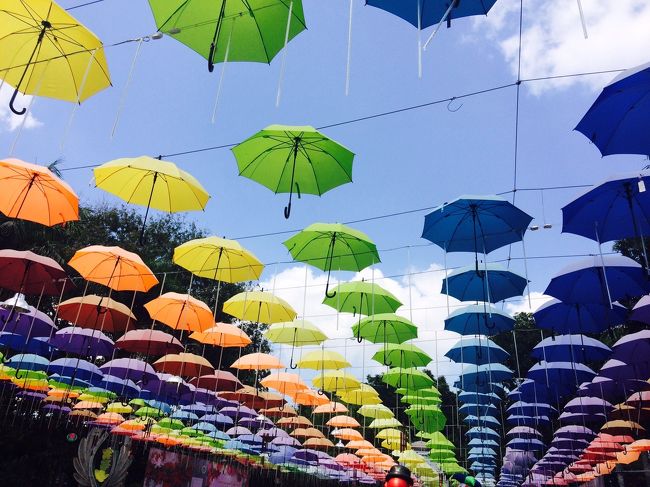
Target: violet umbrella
83, 341
130, 368
634, 347
76, 368
574, 431
149, 342
588, 405
34, 323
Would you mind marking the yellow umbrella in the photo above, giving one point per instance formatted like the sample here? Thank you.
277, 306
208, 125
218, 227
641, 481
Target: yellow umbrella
376, 411
334, 381
47, 52
119, 408
322, 360
389, 434
219, 259
365, 394
259, 307
296, 333
152, 183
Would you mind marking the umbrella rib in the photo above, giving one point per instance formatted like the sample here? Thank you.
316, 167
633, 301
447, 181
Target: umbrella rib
259, 31
311, 165
264, 153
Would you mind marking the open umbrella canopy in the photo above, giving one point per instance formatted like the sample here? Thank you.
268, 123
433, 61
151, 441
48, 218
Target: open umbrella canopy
410, 378
113, 267
257, 361
223, 335
183, 364
323, 360
375, 411
490, 284
476, 350
567, 348
34, 193
97, 312
220, 380
180, 312
52, 53
32, 324
148, 342
486, 373
297, 333
219, 259
259, 307
363, 298
479, 319
284, 382
22, 271
237, 30
294, 159
336, 381
556, 373
402, 355
82, 341
385, 328
129, 368
579, 317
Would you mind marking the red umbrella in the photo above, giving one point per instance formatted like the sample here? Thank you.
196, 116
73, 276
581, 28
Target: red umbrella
149, 342
97, 312
22, 271
183, 364
220, 381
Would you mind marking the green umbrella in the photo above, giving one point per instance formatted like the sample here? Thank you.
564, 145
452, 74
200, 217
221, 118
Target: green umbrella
429, 392
427, 418
171, 423
438, 441
296, 333
362, 297
286, 159
149, 412
440, 455
424, 401
230, 30
385, 328
410, 378
402, 355
333, 246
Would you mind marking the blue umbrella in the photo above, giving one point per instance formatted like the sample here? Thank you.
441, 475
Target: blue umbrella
482, 432
243, 447
184, 415
283, 455
489, 421
20, 343
568, 348
585, 282
476, 350
251, 439
486, 373
477, 319
27, 361
204, 427
531, 408
478, 398
492, 284
481, 387
579, 317
556, 374
616, 121
73, 381
485, 443
523, 432
531, 391
220, 420
487, 452
478, 409
121, 387
76, 368
527, 420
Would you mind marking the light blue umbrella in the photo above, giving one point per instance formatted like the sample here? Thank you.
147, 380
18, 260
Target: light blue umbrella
478, 409
478, 398
27, 361
571, 348
485, 443
482, 432
490, 283
531, 408
487, 452
204, 427
479, 319
476, 350
184, 415
218, 435
486, 373
489, 421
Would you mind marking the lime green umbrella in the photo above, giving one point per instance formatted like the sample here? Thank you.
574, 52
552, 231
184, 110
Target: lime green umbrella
427, 418
296, 333
410, 378
171, 423
381, 423
429, 392
336, 381
376, 411
288, 159
363, 298
440, 455
385, 328
149, 412
438, 441
402, 355
230, 30
423, 401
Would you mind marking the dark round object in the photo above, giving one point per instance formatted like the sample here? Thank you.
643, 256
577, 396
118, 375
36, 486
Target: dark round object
399, 472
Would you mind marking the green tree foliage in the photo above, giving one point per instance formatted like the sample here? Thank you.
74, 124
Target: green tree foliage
520, 342
120, 226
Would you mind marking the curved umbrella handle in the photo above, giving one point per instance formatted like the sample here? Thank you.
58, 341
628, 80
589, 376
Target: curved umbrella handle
359, 337
320, 392
291, 364
287, 211
210, 56
327, 286
11, 104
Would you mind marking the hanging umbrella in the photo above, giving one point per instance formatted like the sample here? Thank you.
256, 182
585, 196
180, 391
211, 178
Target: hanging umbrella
385, 328
364, 394
49, 53
288, 159
336, 381
283, 382
223, 335
34, 193
410, 378
22, 271
479, 319
82, 341
478, 224
257, 361
478, 398
114, 268
333, 246
220, 380
330, 408
476, 350
296, 333
230, 30
149, 342
183, 364
152, 183
568, 348
492, 284
489, 373
92, 311
180, 312
404, 355
579, 317
75, 368
259, 307
587, 281
129, 368
323, 360
556, 373
363, 298
427, 418
218, 259
30, 324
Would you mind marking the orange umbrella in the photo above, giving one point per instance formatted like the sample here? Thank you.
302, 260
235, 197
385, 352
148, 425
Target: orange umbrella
135, 424
168, 440
358, 444
96, 312
347, 459
615, 438
331, 408
307, 433
627, 457
82, 414
308, 397
639, 445
365, 452
257, 361
34, 193
285, 411
222, 335
180, 312
113, 267
377, 459
318, 443
183, 364
298, 421
343, 422
347, 434
253, 398
88, 405
284, 382
619, 427
109, 418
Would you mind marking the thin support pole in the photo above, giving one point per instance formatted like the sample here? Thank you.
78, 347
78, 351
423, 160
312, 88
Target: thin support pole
126, 88
223, 73
523, 246
349, 60
284, 55
602, 261
582, 19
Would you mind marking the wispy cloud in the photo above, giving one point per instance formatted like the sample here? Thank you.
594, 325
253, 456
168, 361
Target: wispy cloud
10, 122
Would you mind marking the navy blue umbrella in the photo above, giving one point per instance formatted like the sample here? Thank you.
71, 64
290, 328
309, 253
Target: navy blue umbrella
425, 13
531, 408
478, 398
479, 319
579, 317
531, 391
526, 444
617, 121
585, 282
528, 420
76, 368
20, 343
571, 348
476, 350
490, 284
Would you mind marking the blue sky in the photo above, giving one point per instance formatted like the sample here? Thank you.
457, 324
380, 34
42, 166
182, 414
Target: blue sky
410, 160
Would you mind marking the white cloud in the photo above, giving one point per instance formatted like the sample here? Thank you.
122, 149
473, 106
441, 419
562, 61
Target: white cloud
304, 288
8, 120
553, 42
523, 306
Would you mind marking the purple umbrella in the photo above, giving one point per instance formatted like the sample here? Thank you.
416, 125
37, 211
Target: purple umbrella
641, 310
255, 423
75, 368
523, 432
616, 369
31, 395
570, 443
32, 324
220, 420
286, 441
587, 404
83, 341
55, 408
199, 408
614, 391
634, 347
121, 387
167, 386
582, 418
570, 348
22, 344
238, 431
273, 432
239, 412
575, 431
130, 368
309, 455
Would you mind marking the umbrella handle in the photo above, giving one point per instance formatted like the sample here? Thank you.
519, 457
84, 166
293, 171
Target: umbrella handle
359, 337
210, 55
287, 210
11, 104
320, 392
